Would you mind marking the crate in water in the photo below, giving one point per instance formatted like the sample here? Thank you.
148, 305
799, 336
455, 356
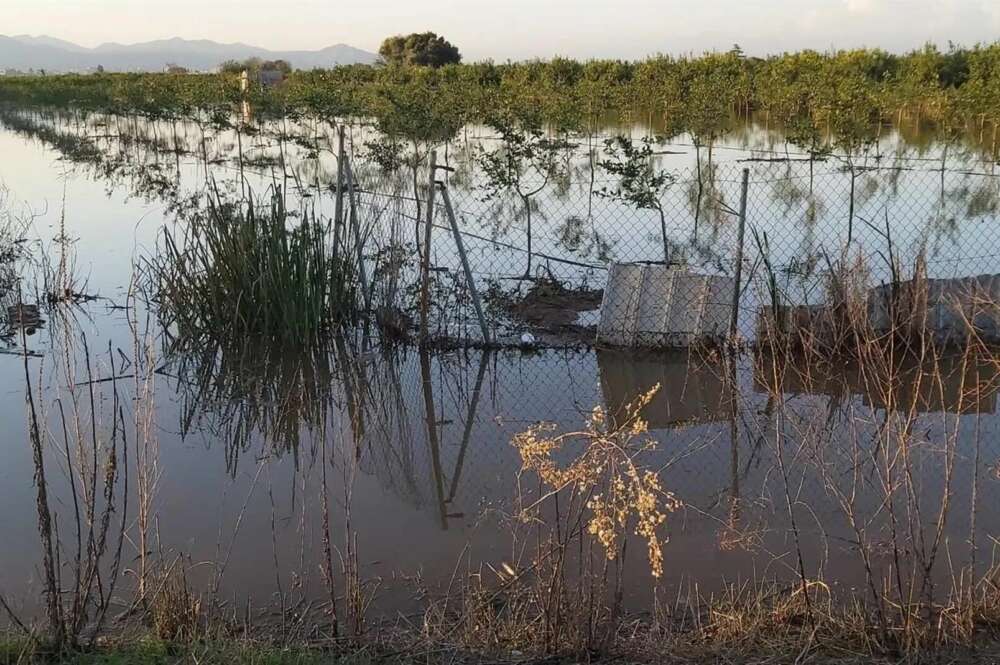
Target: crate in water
654, 305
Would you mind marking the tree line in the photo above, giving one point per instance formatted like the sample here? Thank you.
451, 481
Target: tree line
817, 98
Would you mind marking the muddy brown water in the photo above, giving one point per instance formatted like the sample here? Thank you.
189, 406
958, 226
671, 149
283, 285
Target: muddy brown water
424, 490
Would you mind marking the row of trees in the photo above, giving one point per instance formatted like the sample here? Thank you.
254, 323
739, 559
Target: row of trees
923, 82
817, 98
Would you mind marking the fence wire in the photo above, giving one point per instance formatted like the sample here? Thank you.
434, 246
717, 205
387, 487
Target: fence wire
547, 262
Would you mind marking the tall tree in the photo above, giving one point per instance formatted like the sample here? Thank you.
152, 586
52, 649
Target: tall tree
423, 49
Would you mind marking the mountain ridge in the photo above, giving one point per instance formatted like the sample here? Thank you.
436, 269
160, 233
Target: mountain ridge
43, 52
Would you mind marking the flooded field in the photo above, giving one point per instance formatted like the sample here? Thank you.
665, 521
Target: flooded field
390, 466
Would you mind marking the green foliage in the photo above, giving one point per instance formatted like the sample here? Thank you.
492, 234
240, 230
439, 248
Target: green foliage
417, 106
422, 49
841, 93
524, 162
525, 159
640, 183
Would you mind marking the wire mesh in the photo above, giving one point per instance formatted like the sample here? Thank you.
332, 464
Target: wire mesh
803, 219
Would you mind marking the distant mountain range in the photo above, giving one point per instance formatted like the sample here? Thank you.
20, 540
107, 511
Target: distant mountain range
26, 52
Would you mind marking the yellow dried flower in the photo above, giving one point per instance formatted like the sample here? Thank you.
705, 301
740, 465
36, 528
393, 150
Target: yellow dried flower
609, 459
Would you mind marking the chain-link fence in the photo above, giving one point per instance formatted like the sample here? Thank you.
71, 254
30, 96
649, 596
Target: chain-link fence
666, 272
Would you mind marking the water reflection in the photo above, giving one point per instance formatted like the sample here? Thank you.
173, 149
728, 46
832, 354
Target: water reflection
429, 431
809, 206
951, 383
692, 389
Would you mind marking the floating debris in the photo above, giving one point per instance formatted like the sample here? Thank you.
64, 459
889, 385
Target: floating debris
24, 316
68, 295
20, 318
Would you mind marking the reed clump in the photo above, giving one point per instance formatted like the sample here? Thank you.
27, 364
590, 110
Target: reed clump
249, 275
251, 296
13, 251
174, 609
904, 370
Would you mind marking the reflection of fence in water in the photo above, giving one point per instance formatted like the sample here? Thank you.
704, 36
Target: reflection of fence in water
469, 459
472, 463
462, 454
953, 383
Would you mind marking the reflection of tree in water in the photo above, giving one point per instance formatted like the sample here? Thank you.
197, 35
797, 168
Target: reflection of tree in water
867, 186
807, 255
788, 190
942, 224
973, 198
507, 210
703, 253
571, 172
33, 125
707, 201
892, 177
983, 200
581, 237
131, 167
461, 158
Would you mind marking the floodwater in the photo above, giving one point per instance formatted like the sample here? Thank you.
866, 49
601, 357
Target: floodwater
418, 443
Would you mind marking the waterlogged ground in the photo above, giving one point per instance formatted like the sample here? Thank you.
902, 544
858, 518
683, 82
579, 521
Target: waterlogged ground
417, 444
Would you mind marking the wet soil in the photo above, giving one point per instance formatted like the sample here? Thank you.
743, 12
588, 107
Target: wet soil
550, 306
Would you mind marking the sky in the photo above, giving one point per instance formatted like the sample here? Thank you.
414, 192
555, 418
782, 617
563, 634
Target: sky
519, 29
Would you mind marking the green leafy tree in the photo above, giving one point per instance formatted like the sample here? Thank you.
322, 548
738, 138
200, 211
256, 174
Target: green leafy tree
523, 163
422, 49
640, 184
415, 108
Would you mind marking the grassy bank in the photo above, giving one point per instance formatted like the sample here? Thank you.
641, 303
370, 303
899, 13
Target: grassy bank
764, 633
155, 652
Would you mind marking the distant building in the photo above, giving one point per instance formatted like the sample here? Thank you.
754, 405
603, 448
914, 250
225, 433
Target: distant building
264, 78
268, 78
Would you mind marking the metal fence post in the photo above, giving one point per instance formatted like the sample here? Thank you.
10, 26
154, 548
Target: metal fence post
358, 240
738, 277
338, 213
425, 268
446, 199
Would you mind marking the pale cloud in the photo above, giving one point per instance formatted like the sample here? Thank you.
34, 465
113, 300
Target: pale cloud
992, 10
862, 6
